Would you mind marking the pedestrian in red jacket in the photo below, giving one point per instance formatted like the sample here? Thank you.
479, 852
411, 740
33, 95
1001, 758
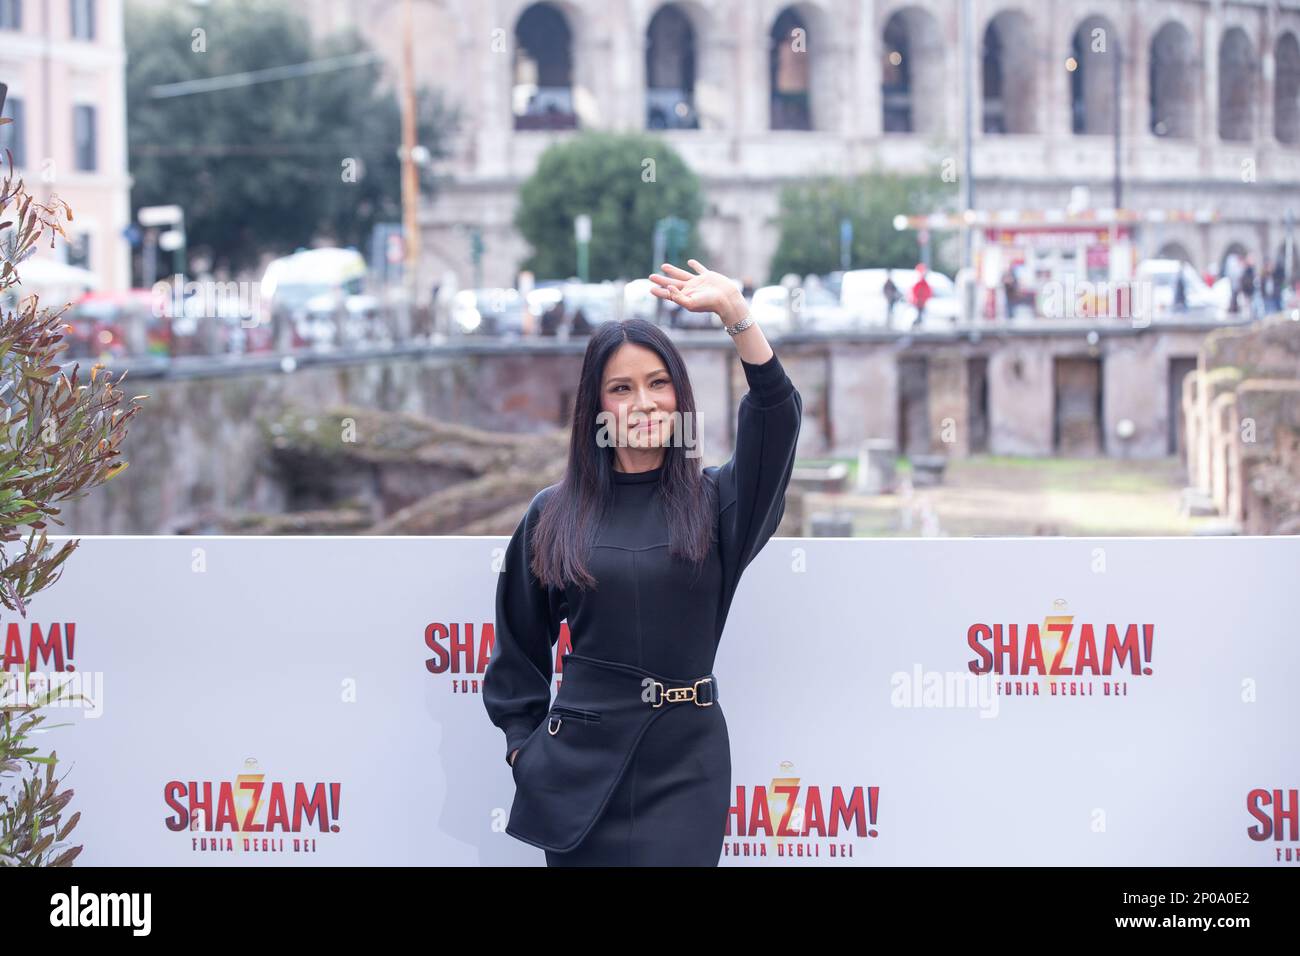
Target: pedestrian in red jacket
921, 293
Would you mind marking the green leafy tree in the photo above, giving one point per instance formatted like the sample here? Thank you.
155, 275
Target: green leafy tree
626, 182
264, 166
351, 209
811, 210
59, 438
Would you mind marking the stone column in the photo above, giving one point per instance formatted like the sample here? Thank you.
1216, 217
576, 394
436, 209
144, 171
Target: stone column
752, 87
1055, 31
719, 95
1133, 47
1209, 57
625, 105
830, 74
1266, 45
596, 99
865, 117
862, 397
948, 388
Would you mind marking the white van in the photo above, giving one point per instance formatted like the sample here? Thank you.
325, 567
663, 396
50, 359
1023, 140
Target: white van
862, 292
313, 287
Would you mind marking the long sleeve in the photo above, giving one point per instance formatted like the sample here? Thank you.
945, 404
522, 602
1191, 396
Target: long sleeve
753, 483
517, 680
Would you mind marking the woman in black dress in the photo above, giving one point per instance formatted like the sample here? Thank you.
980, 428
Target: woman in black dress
641, 550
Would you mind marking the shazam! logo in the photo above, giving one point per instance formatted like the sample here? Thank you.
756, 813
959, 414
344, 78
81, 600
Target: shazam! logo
460, 653
1277, 817
792, 819
1061, 658
253, 811
40, 670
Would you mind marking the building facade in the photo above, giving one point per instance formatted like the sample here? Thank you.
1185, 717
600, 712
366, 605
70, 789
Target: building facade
755, 93
65, 64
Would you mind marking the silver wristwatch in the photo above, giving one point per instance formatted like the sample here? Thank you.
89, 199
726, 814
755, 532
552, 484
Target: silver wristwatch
740, 326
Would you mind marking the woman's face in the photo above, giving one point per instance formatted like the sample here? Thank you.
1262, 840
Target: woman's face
639, 399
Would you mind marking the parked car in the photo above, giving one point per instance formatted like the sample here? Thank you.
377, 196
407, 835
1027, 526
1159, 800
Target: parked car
1163, 274
832, 281
309, 288
811, 307
545, 308
638, 301
346, 319
770, 307
587, 305
862, 292
490, 311
944, 308
108, 325
818, 309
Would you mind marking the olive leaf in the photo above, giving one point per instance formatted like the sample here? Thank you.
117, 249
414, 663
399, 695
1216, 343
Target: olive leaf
58, 439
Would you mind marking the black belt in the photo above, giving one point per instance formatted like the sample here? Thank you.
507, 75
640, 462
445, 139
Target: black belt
691, 692
702, 692
565, 777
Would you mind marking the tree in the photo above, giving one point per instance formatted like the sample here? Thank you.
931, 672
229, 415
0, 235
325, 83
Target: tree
351, 209
263, 167
625, 182
58, 439
811, 210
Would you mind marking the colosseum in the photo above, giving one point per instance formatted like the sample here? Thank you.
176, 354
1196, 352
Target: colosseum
1209, 96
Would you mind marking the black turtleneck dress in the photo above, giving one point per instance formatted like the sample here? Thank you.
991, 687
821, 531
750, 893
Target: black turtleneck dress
655, 612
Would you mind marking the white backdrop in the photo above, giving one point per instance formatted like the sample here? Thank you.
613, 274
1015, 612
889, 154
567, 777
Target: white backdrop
342, 673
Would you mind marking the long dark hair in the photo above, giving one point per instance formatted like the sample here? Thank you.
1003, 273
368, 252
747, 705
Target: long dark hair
570, 519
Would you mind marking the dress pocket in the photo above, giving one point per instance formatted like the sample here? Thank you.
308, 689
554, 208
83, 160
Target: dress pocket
570, 769
523, 749
562, 712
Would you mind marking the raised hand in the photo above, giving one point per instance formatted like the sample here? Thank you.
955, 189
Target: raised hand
705, 291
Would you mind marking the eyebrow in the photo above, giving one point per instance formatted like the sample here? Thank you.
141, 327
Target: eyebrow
624, 378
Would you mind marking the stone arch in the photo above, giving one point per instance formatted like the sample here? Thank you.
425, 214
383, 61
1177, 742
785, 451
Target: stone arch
1238, 246
801, 68
792, 49
1094, 57
1238, 73
1008, 59
670, 69
1286, 89
541, 95
1172, 86
912, 72
1175, 249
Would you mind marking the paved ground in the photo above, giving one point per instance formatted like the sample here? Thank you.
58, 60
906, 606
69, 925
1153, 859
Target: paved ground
987, 495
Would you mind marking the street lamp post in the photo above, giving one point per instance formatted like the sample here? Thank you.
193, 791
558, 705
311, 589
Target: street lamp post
968, 149
410, 181
1119, 189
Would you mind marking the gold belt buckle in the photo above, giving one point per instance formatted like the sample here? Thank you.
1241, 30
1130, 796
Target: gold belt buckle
677, 695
